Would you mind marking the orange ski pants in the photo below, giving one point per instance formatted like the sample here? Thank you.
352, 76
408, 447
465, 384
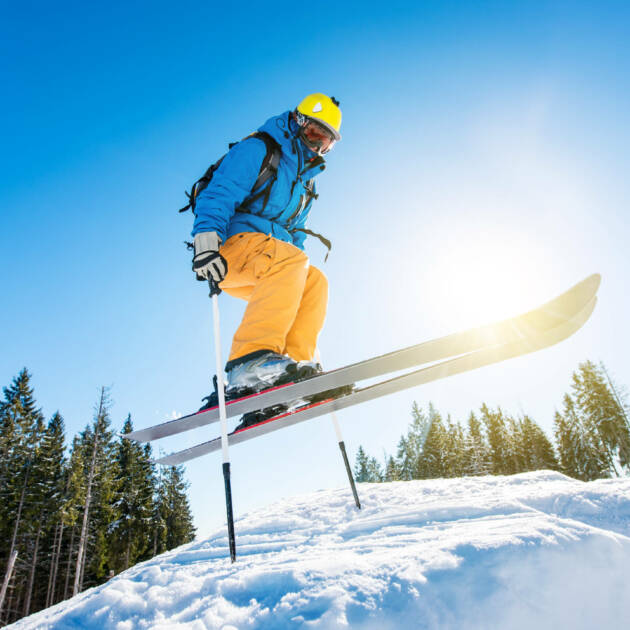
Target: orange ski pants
287, 297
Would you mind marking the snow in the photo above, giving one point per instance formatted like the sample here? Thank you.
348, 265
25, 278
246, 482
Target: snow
531, 550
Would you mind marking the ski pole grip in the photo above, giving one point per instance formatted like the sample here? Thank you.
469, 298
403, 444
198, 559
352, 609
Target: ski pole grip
214, 287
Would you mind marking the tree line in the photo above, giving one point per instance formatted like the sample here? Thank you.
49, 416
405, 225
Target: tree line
71, 518
591, 439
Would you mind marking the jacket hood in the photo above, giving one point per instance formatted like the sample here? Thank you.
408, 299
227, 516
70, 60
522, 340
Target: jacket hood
283, 129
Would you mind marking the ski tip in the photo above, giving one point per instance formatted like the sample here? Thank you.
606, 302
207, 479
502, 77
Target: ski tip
589, 286
594, 280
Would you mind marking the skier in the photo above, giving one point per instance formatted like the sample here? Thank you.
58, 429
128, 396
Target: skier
249, 240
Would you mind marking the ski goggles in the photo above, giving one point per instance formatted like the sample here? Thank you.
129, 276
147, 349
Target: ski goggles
316, 136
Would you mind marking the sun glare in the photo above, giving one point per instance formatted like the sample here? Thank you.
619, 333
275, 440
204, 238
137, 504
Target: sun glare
491, 278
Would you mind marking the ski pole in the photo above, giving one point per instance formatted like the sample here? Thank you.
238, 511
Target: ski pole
214, 294
342, 445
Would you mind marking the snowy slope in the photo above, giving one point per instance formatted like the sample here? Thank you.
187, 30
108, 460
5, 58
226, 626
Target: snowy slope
536, 550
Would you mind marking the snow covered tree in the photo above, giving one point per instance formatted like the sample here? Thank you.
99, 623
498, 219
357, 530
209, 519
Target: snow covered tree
515, 449
498, 440
603, 414
476, 450
367, 469
454, 449
538, 451
392, 472
580, 450
620, 395
361, 473
375, 470
410, 446
431, 463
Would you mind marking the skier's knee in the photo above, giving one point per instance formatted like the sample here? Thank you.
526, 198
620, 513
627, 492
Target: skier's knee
318, 278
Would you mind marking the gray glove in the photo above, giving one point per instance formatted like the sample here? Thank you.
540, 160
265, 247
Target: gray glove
207, 262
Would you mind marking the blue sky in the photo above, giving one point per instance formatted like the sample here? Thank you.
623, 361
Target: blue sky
483, 169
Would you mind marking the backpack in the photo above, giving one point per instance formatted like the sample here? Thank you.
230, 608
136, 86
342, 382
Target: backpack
268, 174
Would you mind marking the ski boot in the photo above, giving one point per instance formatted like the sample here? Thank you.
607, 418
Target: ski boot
295, 372
264, 370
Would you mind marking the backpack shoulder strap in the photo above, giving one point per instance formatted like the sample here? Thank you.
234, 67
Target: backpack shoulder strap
268, 172
271, 161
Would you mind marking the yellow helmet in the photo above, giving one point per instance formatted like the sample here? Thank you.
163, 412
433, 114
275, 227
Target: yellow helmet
324, 110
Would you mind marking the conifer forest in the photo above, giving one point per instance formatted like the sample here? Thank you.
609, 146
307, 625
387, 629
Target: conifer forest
73, 515
591, 439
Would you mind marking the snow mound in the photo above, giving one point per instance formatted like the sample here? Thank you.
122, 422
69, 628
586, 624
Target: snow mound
532, 550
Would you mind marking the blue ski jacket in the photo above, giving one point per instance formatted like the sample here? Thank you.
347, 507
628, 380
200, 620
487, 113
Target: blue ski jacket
289, 202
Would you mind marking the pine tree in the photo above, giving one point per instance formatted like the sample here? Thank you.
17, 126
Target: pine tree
42, 511
70, 521
175, 508
131, 533
477, 453
454, 449
22, 426
539, 452
158, 522
74, 502
620, 395
391, 470
580, 450
55, 473
498, 439
406, 459
603, 414
410, 446
67, 513
516, 447
431, 462
375, 472
97, 444
367, 469
361, 472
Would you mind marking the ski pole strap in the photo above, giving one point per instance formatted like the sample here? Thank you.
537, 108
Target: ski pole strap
214, 287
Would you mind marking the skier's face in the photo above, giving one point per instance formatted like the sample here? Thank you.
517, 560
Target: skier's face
317, 138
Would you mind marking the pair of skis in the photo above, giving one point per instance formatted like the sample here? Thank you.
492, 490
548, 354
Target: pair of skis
461, 352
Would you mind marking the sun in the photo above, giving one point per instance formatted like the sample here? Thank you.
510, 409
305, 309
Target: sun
496, 275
